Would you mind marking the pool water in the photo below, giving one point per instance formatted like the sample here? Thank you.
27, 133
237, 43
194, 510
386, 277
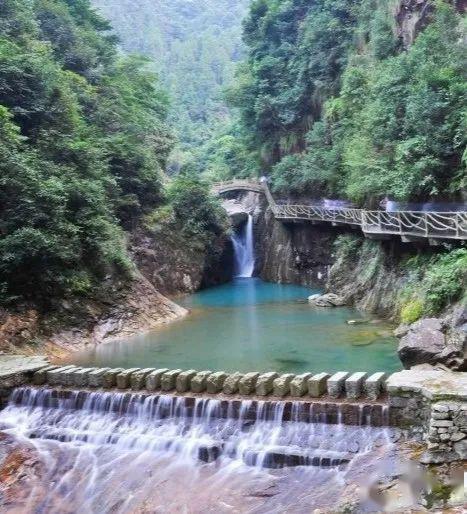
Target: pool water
251, 325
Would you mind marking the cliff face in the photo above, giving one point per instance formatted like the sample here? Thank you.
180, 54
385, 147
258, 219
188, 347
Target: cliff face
173, 264
369, 275
293, 253
119, 310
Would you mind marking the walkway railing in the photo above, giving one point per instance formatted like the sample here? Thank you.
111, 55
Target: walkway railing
434, 225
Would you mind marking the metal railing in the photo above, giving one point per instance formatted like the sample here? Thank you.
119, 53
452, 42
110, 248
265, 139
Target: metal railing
436, 225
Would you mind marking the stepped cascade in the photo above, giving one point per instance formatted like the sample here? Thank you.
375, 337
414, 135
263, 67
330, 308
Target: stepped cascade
100, 446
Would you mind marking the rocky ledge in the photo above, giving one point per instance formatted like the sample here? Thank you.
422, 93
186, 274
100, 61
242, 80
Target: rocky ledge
435, 341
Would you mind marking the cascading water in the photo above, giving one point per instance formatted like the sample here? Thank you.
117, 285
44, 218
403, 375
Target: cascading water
102, 452
244, 250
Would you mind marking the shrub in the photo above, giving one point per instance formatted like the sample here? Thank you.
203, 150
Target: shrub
412, 311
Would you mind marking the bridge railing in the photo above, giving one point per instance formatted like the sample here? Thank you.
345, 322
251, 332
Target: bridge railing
452, 225
441, 225
348, 216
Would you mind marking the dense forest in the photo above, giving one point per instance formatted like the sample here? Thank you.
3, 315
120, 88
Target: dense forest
84, 140
194, 47
339, 98
336, 98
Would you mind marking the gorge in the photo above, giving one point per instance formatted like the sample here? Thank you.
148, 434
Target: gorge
233, 263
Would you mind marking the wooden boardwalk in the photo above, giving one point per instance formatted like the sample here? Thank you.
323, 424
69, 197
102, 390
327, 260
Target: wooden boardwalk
409, 225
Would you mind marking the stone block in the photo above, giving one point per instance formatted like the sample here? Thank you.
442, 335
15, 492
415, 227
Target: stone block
299, 385
247, 384
199, 381
317, 384
96, 377
69, 378
281, 385
336, 382
182, 384
373, 386
153, 380
40, 376
65, 377
123, 378
215, 382
441, 423
81, 377
110, 377
265, 383
354, 385
138, 379
54, 376
231, 383
169, 379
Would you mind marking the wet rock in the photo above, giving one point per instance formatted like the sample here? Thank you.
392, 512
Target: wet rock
326, 300
236, 211
426, 342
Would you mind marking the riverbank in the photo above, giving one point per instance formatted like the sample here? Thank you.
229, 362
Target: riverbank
121, 311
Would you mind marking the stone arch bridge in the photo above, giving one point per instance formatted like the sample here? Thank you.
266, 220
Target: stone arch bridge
410, 226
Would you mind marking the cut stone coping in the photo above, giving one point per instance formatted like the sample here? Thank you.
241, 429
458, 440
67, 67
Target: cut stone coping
231, 383
247, 383
336, 383
432, 384
110, 377
182, 384
123, 378
265, 383
96, 377
374, 384
281, 385
215, 382
138, 379
317, 384
169, 378
299, 385
354, 385
199, 381
153, 380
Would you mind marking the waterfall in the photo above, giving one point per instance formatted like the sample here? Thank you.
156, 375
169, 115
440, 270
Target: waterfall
111, 452
244, 250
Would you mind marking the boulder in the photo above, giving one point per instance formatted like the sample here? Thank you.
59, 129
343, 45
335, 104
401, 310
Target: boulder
326, 300
429, 341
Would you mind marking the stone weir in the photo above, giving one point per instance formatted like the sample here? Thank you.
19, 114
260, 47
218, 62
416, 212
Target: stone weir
430, 403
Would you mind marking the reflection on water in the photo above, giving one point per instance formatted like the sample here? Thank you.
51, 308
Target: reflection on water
250, 325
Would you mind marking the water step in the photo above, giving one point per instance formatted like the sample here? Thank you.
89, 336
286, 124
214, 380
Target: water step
128, 403
276, 458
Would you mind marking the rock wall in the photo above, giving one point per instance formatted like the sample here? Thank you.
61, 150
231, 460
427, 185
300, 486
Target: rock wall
293, 253
368, 274
119, 310
173, 264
